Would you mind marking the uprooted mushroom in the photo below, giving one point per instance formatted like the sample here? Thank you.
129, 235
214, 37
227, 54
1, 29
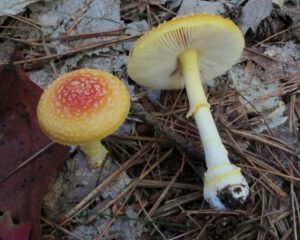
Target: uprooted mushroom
184, 52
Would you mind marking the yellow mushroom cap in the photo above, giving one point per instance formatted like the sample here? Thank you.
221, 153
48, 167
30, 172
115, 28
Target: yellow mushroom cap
83, 106
153, 61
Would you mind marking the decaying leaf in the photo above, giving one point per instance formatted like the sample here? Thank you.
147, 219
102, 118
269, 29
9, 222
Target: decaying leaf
279, 3
287, 53
126, 227
258, 96
253, 13
193, 6
11, 231
20, 137
76, 17
13, 7
75, 181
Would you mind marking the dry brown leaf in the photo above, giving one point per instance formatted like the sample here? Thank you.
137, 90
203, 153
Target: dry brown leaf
253, 13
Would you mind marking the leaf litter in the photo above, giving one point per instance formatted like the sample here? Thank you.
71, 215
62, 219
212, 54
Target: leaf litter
249, 20
60, 18
11, 231
157, 194
23, 183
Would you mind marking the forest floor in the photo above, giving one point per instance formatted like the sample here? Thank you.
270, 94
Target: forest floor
152, 182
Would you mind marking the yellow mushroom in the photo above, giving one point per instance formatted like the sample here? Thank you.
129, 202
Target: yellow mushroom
83, 107
185, 52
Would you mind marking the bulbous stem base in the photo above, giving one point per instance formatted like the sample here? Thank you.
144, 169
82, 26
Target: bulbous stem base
225, 187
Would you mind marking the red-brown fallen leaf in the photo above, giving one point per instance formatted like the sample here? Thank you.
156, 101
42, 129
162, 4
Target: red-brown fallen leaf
20, 137
10, 231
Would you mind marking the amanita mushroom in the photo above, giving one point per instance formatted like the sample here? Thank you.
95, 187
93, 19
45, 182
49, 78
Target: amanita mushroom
184, 52
83, 107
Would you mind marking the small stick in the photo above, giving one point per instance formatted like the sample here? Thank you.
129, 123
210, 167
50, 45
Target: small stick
150, 219
23, 164
113, 32
187, 146
48, 54
163, 194
132, 185
77, 50
89, 198
52, 224
276, 34
291, 113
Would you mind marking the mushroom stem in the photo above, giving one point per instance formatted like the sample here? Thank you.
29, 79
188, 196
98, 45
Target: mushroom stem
224, 185
95, 152
215, 151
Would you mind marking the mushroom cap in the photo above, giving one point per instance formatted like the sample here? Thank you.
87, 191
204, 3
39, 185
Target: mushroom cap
153, 61
83, 106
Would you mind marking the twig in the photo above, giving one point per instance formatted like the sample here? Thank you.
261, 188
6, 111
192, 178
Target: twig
91, 196
23, 164
205, 227
292, 112
276, 34
149, 218
214, 212
25, 20
131, 187
164, 8
287, 177
112, 32
189, 216
133, 184
163, 194
77, 50
187, 145
52, 224
139, 138
22, 41
292, 192
48, 54
169, 205
266, 140
185, 234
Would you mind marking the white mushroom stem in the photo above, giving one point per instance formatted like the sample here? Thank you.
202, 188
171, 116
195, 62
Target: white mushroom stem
96, 153
224, 185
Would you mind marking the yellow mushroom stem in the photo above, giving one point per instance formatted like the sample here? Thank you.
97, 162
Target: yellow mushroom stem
96, 153
221, 174
193, 85
200, 110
